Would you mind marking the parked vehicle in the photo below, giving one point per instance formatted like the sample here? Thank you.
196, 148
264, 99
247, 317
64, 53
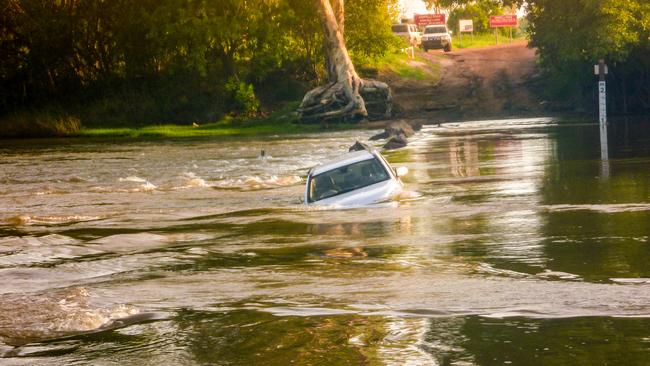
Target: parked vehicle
355, 179
409, 32
436, 37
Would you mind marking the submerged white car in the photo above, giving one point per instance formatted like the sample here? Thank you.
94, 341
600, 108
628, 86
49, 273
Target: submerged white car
356, 179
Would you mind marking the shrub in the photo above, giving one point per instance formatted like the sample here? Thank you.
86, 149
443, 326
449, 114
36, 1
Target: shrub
244, 101
39, 124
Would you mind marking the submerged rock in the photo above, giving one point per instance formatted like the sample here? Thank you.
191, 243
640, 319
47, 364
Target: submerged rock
396, 132
359, 146
396, 142
395, 129
380, 136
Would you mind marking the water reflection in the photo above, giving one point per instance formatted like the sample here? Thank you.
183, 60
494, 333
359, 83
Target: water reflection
521, 341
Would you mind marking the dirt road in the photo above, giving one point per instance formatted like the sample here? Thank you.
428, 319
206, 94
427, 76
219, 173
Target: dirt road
475, 83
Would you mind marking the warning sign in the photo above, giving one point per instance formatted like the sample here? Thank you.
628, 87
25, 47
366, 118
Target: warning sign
423, 20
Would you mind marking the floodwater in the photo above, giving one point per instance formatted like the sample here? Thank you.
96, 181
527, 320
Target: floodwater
516, 244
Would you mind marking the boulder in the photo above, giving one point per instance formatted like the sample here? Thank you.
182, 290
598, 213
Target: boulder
396, 142
380, 136
394, 128
416, 125
359, 146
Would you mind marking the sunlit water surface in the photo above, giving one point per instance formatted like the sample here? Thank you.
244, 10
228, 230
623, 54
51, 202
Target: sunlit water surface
515, 244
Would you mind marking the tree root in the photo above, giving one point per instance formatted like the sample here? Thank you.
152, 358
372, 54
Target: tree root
349, 100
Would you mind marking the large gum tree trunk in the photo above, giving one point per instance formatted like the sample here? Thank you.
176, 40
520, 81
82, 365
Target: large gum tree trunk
338, 7
346, 96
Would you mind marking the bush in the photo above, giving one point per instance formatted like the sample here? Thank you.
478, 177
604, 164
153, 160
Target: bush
39, 124
244, 101
368, 34
478, 12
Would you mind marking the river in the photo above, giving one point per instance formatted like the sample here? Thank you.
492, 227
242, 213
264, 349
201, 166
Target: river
516, 244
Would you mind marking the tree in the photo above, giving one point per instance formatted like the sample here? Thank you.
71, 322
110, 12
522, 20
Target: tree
478, 12
572, 35
346, 96
433, 5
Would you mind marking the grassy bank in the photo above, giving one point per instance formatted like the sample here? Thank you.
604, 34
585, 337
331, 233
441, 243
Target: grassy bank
481, 40
282, 122
41, 123
401, 66
218, 129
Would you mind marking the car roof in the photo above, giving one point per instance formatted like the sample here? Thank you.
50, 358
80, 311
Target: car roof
344, 160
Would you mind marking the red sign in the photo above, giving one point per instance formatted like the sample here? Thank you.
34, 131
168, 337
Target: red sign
423, 20
503, 21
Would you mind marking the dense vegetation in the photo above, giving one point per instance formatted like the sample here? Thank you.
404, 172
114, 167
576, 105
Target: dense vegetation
572, 35
123, 62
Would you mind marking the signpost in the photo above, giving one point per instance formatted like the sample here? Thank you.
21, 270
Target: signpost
422, 20
500, 21
465, 25
601, 71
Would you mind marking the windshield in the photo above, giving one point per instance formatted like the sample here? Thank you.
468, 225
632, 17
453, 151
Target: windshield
345, 179
429, 30
400, 28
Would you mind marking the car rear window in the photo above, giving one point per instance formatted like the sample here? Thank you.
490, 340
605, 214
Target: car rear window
346, 179
400, 28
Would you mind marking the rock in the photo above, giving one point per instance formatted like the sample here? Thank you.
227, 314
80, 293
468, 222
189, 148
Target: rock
396, 142
416, 125
358, 146
396, 127
380, 136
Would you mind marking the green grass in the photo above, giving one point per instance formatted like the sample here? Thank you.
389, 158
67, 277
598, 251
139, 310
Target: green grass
482, 40
30, 124
281, 122
401, 65
44, 123
210, 129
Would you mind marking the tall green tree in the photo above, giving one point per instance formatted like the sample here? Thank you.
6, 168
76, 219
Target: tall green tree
571, 35
185, 59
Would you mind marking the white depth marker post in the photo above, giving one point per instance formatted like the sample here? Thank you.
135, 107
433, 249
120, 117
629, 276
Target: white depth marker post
602, 108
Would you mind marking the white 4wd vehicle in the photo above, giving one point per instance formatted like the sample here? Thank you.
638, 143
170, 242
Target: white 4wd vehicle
355, 179
436, 37
408, 32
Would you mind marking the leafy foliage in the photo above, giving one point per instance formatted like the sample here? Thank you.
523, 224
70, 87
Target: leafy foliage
572, 35
368, 33
243, 96
478, 12
161, 61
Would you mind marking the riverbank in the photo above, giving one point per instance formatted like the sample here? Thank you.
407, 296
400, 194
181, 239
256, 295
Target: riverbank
434, 87
274, 118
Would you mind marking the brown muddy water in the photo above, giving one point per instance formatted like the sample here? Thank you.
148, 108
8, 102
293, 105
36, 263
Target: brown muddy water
516, 245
